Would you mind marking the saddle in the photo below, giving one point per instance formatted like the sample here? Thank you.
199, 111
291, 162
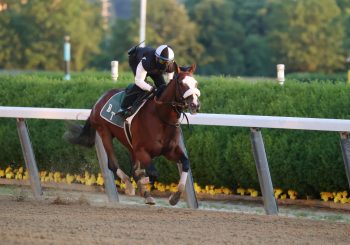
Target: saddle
114, 105
134, 98
109, 112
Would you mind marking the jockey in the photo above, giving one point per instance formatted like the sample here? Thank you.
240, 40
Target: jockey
147, 62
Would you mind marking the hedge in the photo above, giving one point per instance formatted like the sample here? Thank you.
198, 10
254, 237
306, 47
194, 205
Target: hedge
312, 77
307, 161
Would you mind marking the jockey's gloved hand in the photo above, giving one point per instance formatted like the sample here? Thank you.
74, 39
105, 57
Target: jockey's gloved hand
154, 90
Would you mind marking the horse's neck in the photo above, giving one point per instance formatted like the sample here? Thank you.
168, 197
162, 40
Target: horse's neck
165, 109
169, 93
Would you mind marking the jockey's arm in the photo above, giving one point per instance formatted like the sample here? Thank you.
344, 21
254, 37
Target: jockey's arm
140, 77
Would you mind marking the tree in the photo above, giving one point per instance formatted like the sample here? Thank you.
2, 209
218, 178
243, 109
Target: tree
306, 40
344, 6
255, 49
221, 36
167, 23
257, 58
38, 28
250, 15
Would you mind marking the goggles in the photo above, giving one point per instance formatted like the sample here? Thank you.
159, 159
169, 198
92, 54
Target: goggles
163, 61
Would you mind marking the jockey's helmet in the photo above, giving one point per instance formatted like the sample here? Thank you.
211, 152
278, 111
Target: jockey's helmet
164, 56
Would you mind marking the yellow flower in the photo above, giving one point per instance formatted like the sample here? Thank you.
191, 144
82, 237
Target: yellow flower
70, 178
91, 180
8, 169
100, 180
10, 175
227, 191
344, 200
241, 191
57, 177
19, 176
292, 194
2, 173
197, 188
254, 193
26, 175
278, 192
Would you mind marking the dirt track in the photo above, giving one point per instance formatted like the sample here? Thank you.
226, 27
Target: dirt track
57, 222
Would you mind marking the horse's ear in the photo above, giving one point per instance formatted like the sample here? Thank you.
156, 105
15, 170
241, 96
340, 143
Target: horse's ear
176, 68
193, 68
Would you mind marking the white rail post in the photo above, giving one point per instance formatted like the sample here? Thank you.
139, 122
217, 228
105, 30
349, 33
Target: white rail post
114, 70
262, 168
29, 158
280, 73
345, 146
108, 177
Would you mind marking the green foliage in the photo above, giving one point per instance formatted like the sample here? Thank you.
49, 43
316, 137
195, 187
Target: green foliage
306, 40
221, 37
31, 35
167, 22
235, 37
309, 162
312, 77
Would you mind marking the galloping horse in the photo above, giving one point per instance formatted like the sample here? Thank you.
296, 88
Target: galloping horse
155, 131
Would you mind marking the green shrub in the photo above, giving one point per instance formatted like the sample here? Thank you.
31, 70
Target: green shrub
321, 77
307, 161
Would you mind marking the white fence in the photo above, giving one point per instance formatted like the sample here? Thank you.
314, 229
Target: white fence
253, 122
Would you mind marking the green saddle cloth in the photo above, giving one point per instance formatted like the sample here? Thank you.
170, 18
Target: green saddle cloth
110, 109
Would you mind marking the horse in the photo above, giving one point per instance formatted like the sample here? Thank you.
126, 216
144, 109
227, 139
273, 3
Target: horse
155, 130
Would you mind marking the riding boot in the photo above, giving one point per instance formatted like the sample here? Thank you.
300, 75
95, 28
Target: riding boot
131, 98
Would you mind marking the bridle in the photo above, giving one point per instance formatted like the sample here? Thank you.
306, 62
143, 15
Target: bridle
179, 104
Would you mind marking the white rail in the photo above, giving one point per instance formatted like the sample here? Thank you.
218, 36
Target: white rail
336, 125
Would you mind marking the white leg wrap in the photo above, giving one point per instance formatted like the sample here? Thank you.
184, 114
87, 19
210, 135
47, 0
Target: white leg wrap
182, 181
121, 174
129, 189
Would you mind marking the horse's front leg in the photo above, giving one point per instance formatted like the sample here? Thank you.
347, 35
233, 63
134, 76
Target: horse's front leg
175, 197
140, 176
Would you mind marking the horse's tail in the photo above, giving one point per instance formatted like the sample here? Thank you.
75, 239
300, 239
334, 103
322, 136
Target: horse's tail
80, 135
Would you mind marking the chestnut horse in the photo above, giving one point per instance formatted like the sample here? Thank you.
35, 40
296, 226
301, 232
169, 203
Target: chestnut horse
155, 131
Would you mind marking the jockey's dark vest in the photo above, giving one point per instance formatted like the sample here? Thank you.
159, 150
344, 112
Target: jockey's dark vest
147, 55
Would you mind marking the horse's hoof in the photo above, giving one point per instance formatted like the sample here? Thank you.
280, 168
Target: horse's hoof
150, 201
174, 198
129, 189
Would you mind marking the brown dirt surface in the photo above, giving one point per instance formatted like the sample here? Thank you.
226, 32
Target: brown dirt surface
57, 221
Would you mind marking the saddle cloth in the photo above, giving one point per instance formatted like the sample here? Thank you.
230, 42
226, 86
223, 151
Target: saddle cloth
109, 113
111, 107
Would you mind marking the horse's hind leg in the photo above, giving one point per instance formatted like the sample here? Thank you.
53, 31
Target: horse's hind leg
142, 181
113, 162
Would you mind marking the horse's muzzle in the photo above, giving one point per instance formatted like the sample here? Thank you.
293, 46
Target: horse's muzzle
194, 108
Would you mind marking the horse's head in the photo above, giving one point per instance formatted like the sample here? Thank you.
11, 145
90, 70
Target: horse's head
186, 85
